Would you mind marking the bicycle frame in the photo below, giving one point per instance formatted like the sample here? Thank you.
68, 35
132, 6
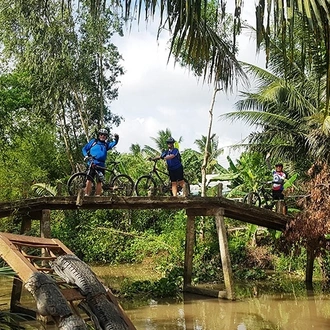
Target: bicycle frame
156, 172
260, 197
266, 195
111, 170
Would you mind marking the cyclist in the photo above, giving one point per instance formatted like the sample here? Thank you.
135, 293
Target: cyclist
174, 166
278, 179
97, 149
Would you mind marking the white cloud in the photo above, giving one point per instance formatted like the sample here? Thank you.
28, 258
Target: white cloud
155, 95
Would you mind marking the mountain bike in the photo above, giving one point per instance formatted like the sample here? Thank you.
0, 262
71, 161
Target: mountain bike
117, 184
157, 182
260, 198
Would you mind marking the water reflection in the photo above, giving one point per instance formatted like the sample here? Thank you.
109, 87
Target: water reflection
273, 312
294, 309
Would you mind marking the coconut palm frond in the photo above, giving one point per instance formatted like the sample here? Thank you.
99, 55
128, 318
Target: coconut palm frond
43, 189
257, 118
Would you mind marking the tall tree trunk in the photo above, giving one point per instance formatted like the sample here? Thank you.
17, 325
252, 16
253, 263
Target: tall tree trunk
82, 113
309, 266
65, 136
206, 157
100, 60
207, 144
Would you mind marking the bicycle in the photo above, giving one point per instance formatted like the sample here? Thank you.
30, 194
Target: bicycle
153, 184
260, 198
118, 184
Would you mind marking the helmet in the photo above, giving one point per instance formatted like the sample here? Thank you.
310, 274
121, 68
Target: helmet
103, 131
170, 140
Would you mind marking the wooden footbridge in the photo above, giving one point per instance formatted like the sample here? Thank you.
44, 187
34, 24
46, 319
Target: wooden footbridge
24, 264
32, 208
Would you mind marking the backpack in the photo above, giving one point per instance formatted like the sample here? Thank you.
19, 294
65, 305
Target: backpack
93, 144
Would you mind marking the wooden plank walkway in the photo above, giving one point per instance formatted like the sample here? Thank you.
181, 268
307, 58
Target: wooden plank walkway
201, 205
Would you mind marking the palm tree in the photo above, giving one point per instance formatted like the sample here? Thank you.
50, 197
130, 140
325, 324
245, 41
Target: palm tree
193, 33
288, 106
160, 142
191, 30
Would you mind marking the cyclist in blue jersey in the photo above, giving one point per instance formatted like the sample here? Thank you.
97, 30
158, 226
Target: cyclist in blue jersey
174, 166
98, 149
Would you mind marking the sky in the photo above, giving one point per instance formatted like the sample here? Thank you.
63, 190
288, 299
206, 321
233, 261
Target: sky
155, 94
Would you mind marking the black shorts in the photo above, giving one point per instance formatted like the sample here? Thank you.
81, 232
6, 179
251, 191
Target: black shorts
277, 195
177, 174
92, 172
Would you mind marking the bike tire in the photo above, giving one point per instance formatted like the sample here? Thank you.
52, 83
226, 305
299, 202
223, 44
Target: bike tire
145, 186
122, 185
77, 182
252, 198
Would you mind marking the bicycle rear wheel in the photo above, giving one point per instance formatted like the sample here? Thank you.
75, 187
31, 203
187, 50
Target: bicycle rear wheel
77, 182
252, 198
122, 185
145, 186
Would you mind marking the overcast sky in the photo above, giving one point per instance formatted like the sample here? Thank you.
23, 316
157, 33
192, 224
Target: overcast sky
155, 95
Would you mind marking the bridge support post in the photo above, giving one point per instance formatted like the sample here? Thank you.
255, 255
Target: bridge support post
189, 250
45, 230
45, 224
224, 253
281, 207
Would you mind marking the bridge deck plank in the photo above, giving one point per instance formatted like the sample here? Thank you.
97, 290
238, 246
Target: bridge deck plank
232, 209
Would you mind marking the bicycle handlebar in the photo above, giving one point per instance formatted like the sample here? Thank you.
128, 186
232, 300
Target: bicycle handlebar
91, 159
151, 159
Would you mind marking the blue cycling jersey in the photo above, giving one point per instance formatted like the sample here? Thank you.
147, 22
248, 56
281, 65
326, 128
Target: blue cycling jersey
98, 150
175, 162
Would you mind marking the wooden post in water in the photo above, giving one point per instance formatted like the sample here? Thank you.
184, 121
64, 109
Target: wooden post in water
189, 249
224, 253
45, 230
45, 224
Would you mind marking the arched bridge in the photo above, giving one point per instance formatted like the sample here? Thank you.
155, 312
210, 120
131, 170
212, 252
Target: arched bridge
194, 205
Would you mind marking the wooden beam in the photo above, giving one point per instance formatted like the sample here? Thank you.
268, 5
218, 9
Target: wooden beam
224, 252
189, 250
206, 291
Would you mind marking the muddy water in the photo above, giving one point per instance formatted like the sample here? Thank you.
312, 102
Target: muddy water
285, 312
297, 309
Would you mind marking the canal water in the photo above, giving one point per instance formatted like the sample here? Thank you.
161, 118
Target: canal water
275, 312
258, 307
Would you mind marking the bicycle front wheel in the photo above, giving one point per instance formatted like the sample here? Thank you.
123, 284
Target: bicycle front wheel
122, 185
252, 198
77, 182
145, 186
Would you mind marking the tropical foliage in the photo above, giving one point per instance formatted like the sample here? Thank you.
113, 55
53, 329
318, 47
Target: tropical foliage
58, 89
288, 104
